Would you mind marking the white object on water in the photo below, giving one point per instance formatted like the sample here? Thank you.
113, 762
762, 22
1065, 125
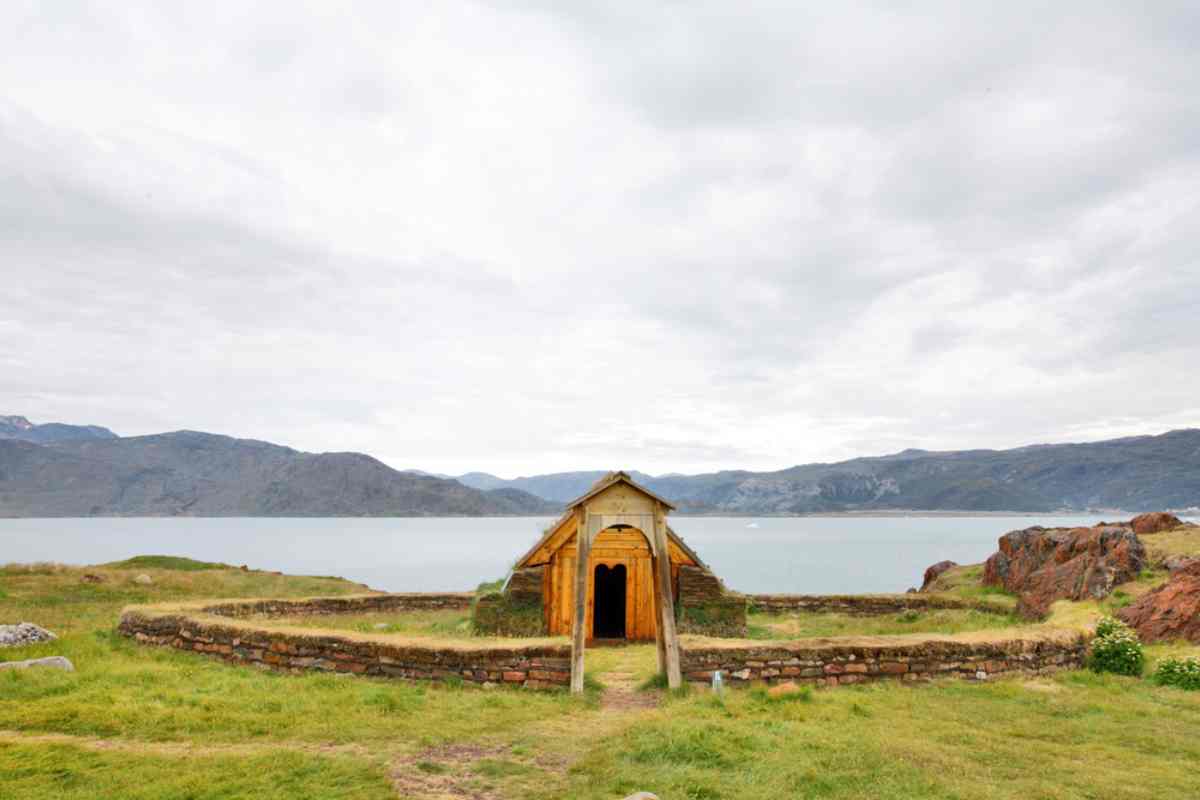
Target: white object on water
752, 525
718, 683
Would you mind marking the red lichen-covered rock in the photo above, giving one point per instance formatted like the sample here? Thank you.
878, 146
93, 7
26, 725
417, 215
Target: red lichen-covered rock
1043, 565
1176, 563
1172, 611
1154, 522
934, 571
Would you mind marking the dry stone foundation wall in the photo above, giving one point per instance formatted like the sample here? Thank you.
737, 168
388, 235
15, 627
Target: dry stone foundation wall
530, 666
542, 666
842, 664
865, 605
353, 604
705, 607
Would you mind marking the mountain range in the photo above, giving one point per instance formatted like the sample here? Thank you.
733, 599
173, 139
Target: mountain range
1137, 473
20, 428
86, 470
203, 474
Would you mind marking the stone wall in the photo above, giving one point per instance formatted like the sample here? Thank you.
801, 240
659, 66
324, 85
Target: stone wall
864, 605
838, 664
526, 583
353, 604
518, 610
704, 607
504, 614
533, 666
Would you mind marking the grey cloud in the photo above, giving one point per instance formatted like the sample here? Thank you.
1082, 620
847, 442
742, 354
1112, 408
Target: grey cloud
673, 237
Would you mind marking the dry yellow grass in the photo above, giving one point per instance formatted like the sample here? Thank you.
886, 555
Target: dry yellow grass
1184, 541
310, 630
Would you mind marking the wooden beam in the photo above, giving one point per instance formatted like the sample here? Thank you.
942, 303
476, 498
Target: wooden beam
667, 603
583, 548
660, 640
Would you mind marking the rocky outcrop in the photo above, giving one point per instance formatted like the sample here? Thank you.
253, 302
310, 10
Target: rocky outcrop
1172, 611
934, 571
1176, 563
1154, 522
1042, 565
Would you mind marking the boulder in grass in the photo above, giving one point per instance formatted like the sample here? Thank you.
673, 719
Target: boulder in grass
23, 633
934, 571
786, 688
143, 579
50, 662
1042, 565
1170, 611
1154, 522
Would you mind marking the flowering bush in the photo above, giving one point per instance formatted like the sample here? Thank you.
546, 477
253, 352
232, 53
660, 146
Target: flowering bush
1181, 672
1116, 649
1107, 626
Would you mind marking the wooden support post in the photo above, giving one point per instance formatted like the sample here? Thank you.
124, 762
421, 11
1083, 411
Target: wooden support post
583, 547
666, 602
660, 640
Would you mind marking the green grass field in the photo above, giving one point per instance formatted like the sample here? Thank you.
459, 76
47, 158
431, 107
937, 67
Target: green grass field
144, 722
416, 624
800, 625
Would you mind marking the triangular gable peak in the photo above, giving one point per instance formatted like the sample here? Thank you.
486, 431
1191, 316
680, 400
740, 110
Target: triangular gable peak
614, 494
613, 479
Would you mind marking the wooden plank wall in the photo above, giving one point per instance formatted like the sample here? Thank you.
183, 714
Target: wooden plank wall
612, 547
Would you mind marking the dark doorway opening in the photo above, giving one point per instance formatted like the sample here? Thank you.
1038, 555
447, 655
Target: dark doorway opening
608, 611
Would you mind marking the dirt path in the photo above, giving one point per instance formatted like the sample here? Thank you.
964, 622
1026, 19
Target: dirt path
621, 693
444, 772
177, 749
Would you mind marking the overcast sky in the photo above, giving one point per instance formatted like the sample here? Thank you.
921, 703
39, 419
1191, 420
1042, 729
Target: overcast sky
529, 237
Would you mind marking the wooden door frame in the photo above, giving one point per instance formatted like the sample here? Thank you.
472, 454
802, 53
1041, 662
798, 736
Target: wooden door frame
665, 635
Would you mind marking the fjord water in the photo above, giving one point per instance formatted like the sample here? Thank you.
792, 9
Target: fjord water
773, 554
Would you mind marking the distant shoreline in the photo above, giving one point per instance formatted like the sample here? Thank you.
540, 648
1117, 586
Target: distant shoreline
1114, 514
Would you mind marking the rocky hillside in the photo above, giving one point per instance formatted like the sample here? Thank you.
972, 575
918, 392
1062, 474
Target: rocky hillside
14, 427
201, 474
1136, 474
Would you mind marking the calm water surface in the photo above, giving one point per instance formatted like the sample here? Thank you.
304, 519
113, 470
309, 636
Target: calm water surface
796, 554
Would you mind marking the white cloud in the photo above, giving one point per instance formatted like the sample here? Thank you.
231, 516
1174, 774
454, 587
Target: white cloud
593, 235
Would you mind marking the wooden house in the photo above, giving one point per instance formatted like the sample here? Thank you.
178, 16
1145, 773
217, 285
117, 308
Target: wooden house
610, 568
620, 597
